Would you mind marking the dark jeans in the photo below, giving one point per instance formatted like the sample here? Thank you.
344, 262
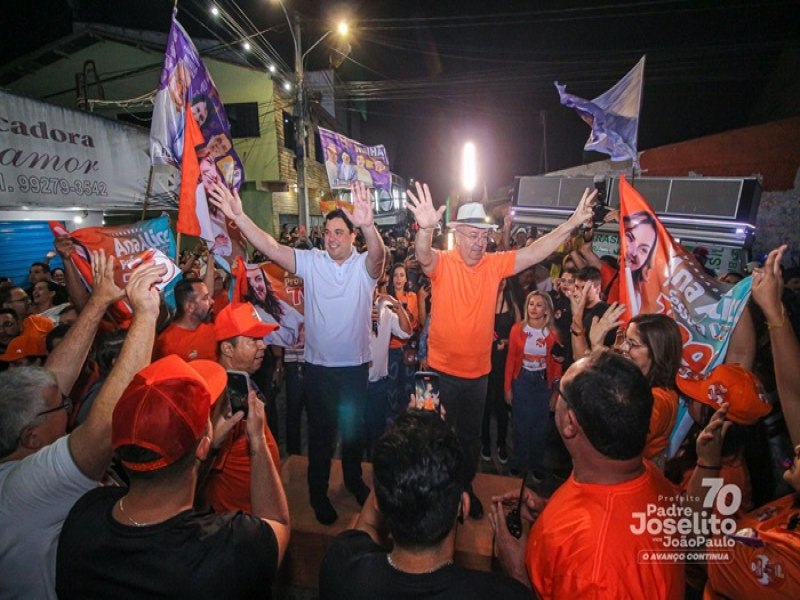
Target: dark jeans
376, 411
336, 398
294, 376
496, 402
531, 417
400, 385
463, 401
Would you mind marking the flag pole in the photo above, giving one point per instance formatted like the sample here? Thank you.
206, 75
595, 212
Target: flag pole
147, 192
639, 120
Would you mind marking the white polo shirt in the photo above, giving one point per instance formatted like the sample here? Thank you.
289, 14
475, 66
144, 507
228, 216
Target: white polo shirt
338, 305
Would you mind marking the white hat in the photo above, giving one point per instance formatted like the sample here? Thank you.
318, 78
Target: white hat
472, 214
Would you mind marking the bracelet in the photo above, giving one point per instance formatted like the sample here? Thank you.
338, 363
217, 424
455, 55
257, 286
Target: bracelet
712, 467
783, 319
577, 332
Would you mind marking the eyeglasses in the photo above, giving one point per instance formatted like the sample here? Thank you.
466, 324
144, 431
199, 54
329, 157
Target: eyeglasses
557, 389
474, 236
8, 324
66, 405
631, 343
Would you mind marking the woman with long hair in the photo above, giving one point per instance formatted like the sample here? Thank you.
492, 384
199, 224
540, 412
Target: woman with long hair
508, 311
531, 369
641, 238
401, 375
653, 343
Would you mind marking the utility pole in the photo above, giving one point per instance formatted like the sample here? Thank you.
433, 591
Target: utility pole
300, 128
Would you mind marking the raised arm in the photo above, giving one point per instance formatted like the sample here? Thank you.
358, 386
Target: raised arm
77, 292
231, 206
90, 443
267, 497
427, 218
545, 246
363, 219
66, 360
767, 293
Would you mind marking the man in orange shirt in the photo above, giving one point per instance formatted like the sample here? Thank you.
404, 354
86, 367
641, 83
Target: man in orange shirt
240, 333
593, 538
191, 334
464, 284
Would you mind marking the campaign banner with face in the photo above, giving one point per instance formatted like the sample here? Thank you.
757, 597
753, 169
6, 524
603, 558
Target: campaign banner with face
130, 245
277, 295
347, 161
658, 275
191, 132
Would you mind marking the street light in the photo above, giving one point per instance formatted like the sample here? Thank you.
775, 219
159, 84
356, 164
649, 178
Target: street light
469, 168
301, 145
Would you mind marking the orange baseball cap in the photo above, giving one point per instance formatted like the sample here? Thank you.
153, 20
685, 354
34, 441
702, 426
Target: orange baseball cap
729, 383
37, 325
165, 409
241, 318
24, 346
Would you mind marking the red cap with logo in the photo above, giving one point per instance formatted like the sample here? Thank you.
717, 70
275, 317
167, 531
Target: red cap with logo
729, 383
24, 346
165, 410
241, 318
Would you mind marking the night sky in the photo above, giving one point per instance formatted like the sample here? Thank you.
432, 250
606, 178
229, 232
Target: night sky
437, 73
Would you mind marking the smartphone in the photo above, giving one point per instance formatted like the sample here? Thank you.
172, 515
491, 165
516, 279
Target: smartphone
600, 208
514, 516
238, 389
426, 390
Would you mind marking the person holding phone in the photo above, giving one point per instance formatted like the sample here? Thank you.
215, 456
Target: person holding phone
239, 332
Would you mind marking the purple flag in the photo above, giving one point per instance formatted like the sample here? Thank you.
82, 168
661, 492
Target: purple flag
613, 116
347, 160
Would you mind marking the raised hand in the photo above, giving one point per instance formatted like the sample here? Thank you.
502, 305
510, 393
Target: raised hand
104, 289
709, 442
602, 325
141, 289
228, 202
767, 290
362, 205
583, 213
64, 246
421, 205
577, 301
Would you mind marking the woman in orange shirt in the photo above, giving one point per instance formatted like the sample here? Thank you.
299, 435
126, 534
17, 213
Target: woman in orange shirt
653, 343
401, 375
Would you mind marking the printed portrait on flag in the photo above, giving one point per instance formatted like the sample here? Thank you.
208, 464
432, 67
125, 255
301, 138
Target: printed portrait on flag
347, 161
278, 298
191, 132
658, 275
130, 245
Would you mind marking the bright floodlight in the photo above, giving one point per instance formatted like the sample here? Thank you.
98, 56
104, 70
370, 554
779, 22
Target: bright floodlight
343, 28
287, 85
246, 46
469, 167
272, 68
214, 11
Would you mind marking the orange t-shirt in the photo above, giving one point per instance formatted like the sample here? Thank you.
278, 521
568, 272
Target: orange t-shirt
221, 301
665, 412
463, 302
228, 488
766, 573
188, 344
413, 311
582, 546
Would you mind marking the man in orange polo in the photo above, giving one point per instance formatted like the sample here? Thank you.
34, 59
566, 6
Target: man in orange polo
464, 284
191, 333
594, 537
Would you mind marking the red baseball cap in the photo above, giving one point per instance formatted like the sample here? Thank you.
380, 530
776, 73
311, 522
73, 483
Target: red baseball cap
24, 346
729, 383
37, 325
165, 409
241, 318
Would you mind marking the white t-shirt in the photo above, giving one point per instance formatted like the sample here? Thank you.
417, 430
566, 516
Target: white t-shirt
388, 326
535, 351
36, 494
338, 307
